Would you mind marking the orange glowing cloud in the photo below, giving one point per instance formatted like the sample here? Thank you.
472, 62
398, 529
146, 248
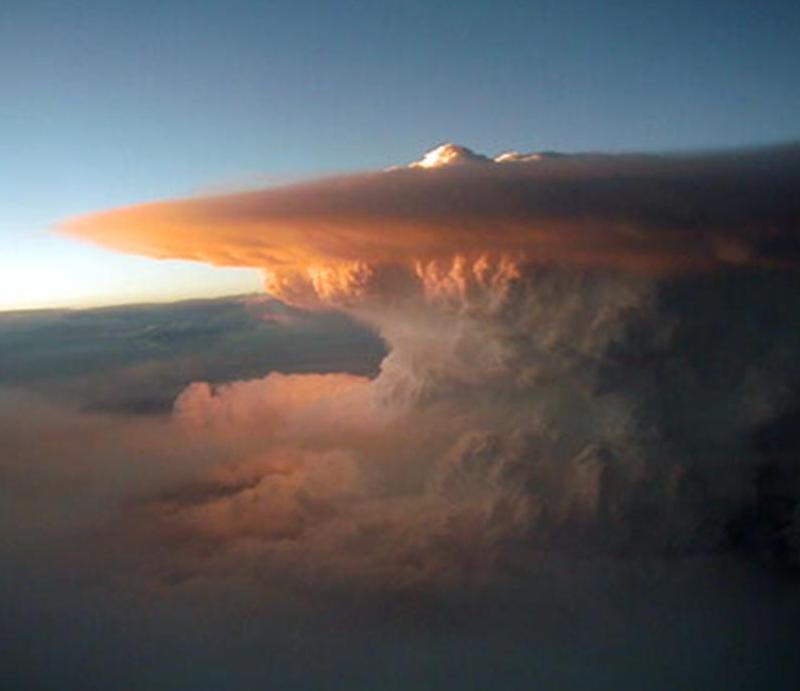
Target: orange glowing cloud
350, 236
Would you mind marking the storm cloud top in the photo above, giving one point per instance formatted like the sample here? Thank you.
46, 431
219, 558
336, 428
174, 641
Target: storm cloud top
344, 235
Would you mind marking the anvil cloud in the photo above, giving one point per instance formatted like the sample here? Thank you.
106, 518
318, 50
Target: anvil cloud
366, 233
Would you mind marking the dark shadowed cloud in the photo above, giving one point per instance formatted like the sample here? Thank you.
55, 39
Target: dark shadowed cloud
139, 358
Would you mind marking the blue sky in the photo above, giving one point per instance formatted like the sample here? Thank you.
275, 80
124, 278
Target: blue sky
112, 103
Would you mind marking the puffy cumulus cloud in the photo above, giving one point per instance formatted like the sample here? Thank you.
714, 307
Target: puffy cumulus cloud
349, 237
448, 155
563, 413
453, 154
132, 544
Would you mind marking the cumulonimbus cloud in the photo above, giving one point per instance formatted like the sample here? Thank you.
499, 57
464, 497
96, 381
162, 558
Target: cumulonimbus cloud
576, 351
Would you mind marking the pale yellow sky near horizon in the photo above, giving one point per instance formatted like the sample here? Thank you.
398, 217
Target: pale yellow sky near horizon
56, 272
